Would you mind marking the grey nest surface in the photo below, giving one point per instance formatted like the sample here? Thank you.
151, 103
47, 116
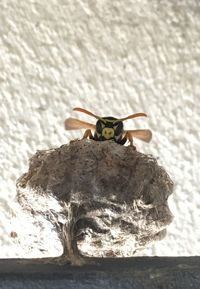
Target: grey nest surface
111, 200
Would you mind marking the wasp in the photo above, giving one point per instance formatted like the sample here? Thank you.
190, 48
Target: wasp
108, 128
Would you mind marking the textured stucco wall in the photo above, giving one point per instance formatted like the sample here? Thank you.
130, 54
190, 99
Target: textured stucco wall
114, 58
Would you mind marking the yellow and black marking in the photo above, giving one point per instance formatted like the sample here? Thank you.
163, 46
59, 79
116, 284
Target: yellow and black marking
108, 128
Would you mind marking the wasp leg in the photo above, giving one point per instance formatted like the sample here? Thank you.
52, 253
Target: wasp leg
88, 134
129, 137
122, 141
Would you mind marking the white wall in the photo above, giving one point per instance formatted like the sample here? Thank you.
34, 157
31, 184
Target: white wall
114, 58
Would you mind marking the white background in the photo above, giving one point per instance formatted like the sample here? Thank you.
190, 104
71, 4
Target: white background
113, 58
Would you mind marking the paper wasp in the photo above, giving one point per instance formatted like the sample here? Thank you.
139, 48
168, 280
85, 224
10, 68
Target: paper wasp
108, 128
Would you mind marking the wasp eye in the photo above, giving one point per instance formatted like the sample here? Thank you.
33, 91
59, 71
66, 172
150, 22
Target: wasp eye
118, 128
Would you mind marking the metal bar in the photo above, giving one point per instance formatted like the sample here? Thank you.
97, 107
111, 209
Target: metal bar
138, 272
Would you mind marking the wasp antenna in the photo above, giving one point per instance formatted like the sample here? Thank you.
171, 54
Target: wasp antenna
86, 111
134, 115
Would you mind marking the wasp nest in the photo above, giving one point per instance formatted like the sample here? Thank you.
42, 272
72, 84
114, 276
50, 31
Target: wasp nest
111, 199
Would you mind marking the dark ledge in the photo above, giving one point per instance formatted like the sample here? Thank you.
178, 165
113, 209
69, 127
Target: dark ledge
136, 272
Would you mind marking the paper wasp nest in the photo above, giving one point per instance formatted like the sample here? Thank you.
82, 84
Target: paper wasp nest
111, 200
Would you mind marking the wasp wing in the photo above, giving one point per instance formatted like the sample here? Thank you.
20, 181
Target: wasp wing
73, 123
142, 134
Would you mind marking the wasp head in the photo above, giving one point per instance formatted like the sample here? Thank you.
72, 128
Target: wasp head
109, 128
